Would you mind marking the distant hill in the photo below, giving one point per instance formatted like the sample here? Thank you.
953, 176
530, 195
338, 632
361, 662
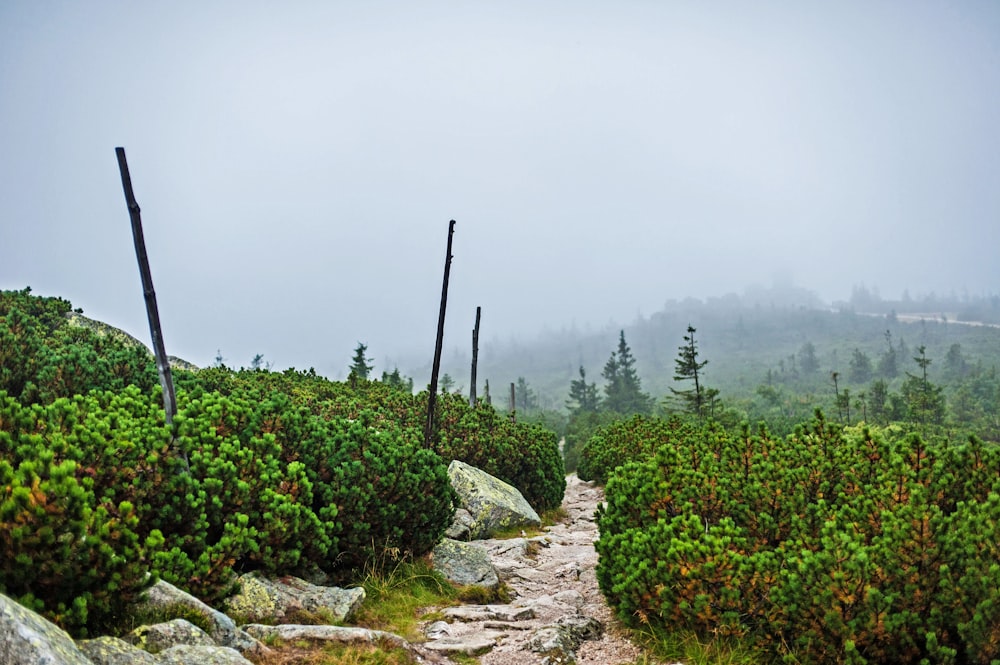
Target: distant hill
743, 338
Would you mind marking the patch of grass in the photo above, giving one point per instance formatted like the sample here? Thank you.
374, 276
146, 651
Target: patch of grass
395, 593
554, 516
480, 595
691, 649
147, 615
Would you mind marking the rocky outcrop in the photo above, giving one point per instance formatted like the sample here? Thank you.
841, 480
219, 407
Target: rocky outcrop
465, 564
275, 601
491, 505
26, 638
165, 597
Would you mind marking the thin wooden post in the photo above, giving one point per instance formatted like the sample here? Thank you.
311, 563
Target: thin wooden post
475, 359
152, 313
432, 396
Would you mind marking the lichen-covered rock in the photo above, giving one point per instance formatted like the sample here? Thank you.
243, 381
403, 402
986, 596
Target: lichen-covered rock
28, 639
114, 651
465, 564
558, 642
492, 504
163, 595
461, 526
262, 599
184, 654
161, 636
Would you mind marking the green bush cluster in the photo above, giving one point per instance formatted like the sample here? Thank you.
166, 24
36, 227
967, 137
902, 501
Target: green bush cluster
43, 358
627, 440
860, 546
65, 549
279, 472
522, 454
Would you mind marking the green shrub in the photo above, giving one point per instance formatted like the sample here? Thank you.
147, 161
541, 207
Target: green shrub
829, 546
74, 556
374, 487
623, 441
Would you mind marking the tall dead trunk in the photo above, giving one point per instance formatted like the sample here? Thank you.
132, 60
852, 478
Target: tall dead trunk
513, 404
475, 359
436, 367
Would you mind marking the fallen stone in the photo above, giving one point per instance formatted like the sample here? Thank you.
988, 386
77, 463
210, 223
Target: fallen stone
558, 642
470, 613
27, 638
461, 526
492, 504
161, 636
262, 599
475, 644
114, 651
437, 630
465, 564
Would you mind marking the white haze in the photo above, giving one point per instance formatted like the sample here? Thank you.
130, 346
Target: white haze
297, 163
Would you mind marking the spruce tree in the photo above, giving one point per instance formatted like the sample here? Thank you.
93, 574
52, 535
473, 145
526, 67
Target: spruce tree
583, 397
623, 391
361, 366
699, 399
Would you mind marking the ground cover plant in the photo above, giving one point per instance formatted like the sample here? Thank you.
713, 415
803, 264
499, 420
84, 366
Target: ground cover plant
830, 545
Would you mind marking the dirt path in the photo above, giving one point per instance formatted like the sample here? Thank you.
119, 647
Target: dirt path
555, 594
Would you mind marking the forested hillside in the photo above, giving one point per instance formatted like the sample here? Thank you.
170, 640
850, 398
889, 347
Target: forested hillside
774, 355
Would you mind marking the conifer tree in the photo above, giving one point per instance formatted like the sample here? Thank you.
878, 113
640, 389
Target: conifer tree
924, 399
699, 399
583, 396
361, 366
623, 391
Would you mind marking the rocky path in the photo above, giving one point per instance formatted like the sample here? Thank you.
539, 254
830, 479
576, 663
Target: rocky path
556, 613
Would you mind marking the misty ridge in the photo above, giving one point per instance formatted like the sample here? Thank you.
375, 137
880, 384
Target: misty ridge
750, 340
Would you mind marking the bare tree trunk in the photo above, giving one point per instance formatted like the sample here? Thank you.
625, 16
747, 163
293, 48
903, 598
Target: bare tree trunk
486, 393
475, 359
513, 404
432, 393
159, 350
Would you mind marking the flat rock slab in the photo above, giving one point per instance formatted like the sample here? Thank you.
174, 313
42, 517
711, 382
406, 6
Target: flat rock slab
467, 613
344, 634
475, 644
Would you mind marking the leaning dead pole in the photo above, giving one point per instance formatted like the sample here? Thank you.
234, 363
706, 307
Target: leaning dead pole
162, 364
432, 393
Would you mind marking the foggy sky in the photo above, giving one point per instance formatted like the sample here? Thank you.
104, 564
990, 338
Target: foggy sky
297, 164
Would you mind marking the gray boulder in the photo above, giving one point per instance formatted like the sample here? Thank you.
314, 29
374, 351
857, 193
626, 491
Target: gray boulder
261, 599
114, 651
492, 504
465, 564
184, 654
163, 596
161, 636
558, 642
26, 638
